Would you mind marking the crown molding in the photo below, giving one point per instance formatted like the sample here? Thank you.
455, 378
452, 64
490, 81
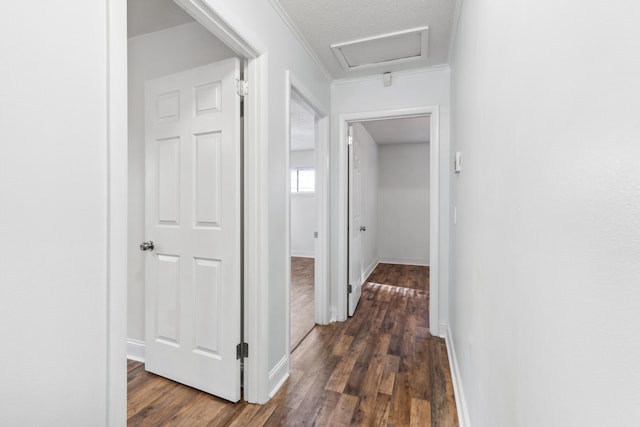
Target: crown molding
298, 35
378, 76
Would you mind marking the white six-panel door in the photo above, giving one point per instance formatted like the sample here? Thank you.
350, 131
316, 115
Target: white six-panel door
356, 268
193, 218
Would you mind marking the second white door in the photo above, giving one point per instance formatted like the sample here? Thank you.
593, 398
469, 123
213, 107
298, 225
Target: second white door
193, 217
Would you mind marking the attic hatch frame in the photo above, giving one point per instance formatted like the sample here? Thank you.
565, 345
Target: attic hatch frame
255, 383
338, 49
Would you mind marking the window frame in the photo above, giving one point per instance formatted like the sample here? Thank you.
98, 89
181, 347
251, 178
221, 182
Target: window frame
295, 181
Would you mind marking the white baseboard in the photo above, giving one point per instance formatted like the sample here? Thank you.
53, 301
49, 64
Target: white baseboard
442, 331
461, 403
278, 375
303, 254
404, 261
136, 350
369, 270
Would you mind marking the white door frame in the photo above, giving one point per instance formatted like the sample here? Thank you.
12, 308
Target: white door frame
255, 179
321, 287
434, 187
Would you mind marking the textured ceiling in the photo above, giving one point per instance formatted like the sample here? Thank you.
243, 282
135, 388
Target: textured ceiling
303, 125
147, 16
327, 22
412, 130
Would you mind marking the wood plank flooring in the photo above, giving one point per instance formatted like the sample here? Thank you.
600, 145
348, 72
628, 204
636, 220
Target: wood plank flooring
380, 368
302, 302
405, 276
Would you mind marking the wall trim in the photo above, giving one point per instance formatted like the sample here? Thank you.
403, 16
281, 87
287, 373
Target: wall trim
458, 390
442, 329
280, 372
405, 261
209, 18
136, 350
354, 80
298, 36
116, 212
303, 254
256, 236
334, 315
369, 270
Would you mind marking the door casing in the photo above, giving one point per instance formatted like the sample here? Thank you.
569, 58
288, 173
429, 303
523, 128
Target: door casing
344, 120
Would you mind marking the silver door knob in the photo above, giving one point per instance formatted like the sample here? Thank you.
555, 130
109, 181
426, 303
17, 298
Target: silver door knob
363, 228
146, 246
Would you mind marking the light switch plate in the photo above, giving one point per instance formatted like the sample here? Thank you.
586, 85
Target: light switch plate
456, 166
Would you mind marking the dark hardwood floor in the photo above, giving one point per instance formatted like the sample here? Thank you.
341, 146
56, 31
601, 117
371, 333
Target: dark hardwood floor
379, 368
302, 302
405, 276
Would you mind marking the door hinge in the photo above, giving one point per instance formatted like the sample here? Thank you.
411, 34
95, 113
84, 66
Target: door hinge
349, 289
242, 87
242, 350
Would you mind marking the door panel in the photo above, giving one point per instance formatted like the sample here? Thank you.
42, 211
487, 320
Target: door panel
168, 154
207, 197
193, 217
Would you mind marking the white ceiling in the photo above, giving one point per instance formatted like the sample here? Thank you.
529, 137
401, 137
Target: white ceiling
413, 130
323, 23
327, 22
303, 125
147, 16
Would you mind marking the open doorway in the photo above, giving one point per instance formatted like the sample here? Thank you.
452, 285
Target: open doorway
162, 40
303, 205
185, 148
307, 163
389, 203
343, 270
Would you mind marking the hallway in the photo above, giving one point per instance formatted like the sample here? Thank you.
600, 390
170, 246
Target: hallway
380, 367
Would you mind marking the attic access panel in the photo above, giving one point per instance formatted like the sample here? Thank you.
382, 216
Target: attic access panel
384, 49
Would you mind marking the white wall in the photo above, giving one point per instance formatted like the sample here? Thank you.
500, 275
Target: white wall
150, 56
417, 88
369, 209
545, 296
54, 188
303, 210
403, 203
53, 215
